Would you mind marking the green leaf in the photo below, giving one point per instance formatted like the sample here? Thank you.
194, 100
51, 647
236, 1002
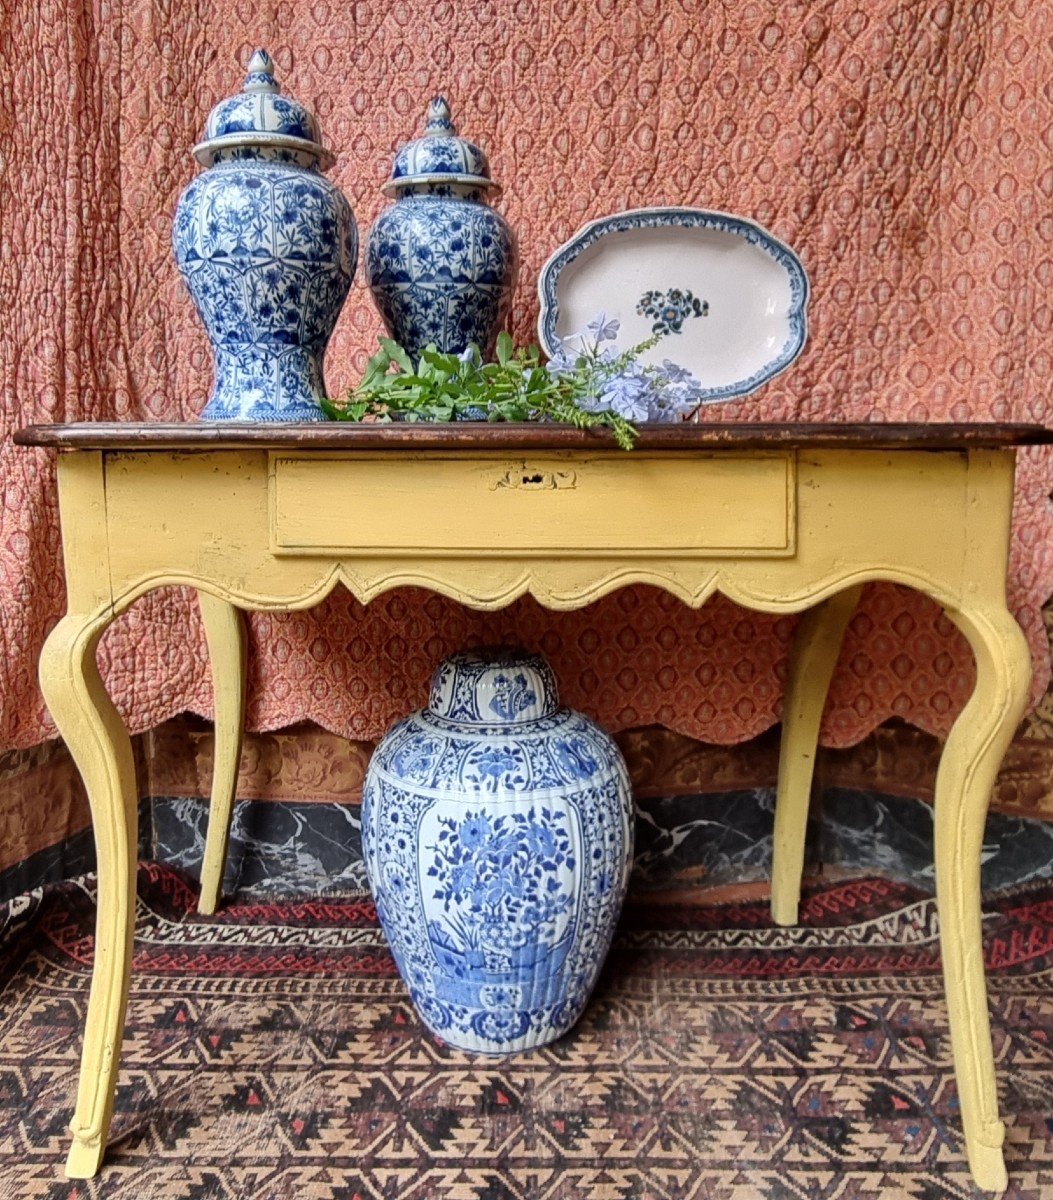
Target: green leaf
517, 387
397, 355
330, 409
447, 364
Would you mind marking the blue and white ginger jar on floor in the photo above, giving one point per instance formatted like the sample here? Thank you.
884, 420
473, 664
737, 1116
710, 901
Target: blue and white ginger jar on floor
497, 830
439, 262
267, 246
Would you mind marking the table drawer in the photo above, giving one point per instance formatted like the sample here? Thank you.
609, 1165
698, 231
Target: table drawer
610, 505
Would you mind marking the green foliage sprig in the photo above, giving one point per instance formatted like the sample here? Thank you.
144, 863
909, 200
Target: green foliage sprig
450, 387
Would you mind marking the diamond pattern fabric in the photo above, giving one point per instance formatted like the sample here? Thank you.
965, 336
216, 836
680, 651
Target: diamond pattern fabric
902, 149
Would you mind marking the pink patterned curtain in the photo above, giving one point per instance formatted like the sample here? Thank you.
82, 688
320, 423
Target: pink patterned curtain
903, 148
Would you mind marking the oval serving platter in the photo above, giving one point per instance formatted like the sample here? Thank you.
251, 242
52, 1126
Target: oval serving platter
728, 299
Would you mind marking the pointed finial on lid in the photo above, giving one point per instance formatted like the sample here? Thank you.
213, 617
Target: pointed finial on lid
261, 73
439, 156
439, 123
259, 117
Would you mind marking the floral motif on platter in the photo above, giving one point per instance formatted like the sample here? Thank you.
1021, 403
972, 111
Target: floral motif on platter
761, 319
669, 310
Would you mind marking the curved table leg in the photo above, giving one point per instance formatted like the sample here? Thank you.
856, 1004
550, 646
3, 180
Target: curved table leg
971, 758
225, 633
102, 750
813, 657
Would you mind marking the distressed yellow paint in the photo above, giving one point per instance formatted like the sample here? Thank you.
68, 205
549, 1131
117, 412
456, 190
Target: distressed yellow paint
543, 504
225, 634
780, 532
813, 657
178, 518
102, 750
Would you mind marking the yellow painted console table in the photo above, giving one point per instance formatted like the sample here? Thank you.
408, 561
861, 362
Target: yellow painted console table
781, 518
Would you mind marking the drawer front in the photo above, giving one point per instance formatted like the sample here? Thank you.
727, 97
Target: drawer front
607, 505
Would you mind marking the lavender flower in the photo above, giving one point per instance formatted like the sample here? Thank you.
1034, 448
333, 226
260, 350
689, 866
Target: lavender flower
673, 373
560, 363
628, 395
604, 329
618, 382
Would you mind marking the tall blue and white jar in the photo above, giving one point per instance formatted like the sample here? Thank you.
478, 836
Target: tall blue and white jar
267, 246
498, 832
440, 262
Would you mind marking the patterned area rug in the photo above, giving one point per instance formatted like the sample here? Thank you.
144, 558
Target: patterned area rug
271, 1052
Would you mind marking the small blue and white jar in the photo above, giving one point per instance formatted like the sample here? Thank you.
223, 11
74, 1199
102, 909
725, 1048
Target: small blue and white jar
268, 247
497, 830
439, 262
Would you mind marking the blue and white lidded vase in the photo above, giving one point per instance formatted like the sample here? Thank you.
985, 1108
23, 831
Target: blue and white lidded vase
498, 832
439, 262
267, 246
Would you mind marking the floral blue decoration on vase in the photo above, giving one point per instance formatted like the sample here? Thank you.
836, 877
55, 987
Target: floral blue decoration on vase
267, 247
439, 262
497, 830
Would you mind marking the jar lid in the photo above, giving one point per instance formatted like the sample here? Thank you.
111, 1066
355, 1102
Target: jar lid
493, 686
440, 156
259, 115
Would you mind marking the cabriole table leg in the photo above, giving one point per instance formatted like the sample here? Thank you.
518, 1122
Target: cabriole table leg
816, 645
966, 776
102, 750
225, 633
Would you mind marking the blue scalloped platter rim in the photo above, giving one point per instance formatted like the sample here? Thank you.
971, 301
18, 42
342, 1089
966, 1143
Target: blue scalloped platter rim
687, 218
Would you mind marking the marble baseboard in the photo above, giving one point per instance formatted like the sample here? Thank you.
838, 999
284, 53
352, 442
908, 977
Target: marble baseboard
705, 811
282, 848
714, 840
892, 835
71, 856
684, 841
705, 840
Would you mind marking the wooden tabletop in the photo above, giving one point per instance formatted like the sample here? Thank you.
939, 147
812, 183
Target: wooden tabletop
479, 436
